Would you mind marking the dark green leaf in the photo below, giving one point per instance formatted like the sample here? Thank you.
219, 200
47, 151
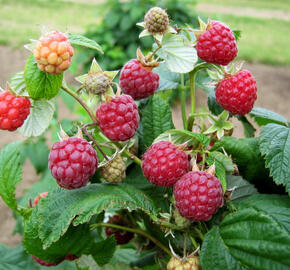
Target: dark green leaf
247, 239
180, 136
156, 119
275, 205
40, 85
213, 106
237, 34
10, 173
249, 130
81, 204
242, 188
85, 42
263, 117
103, 251
275, 146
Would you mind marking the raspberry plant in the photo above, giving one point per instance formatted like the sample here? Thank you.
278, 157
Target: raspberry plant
122, 188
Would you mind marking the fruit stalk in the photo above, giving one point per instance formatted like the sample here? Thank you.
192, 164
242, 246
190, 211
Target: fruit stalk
76, 97
137, 231
192, 76
183, 101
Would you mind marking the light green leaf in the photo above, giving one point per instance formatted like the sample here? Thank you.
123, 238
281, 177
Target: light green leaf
263, 117
10, 173
85, 42
275, 146
167, 79
247, 239
40, 85
179, 56
39, 118
81, 204
156, 119
242, 188
180, 136
17, 83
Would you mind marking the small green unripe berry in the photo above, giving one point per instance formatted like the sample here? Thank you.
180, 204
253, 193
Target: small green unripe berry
97, 83
156, 20
180, 221
114, 171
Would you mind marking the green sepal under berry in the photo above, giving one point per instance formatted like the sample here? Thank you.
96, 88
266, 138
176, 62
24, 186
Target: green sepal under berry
40, 85
69, 243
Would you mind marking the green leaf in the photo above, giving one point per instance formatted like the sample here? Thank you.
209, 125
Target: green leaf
213, 106
15, 259
223, 165
263, 117
247, 239
40, 85
249, 130
85, 42
10, 173
237, 34
167, 79
103, 251
156, 119
246, 154
180, 136
69, 243
242, 188
275, 146
17, 83
39, 118
215, 255
81, 204
179, 56
275, 205
37, 151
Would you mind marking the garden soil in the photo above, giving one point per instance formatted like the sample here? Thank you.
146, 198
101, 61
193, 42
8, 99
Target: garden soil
273, 94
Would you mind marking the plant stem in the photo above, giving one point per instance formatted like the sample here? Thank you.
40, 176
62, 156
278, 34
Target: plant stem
164, 223
84, 129
192, 76
133, 230
76, 97
183, 102
129, 154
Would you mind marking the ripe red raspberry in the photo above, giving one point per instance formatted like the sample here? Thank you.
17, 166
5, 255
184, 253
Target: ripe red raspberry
119, 119
122, 237
53, 53
138, 81
41, 262
72, 162
38, 197
71, 257
13, 111
163, 164
238, 93
198, 195
217, 44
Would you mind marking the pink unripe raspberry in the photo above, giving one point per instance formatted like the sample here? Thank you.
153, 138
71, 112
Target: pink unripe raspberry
13, 111
38, 197
163, 163
217, 44
237, 93
41, 262
72, 162
53, 53
198, 195
138, 81
119, 118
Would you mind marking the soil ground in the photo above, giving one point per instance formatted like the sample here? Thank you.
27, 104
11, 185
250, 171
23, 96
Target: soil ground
273, 93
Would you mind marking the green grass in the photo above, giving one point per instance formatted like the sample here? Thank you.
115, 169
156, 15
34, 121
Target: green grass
263, 40
283, 5
21, 20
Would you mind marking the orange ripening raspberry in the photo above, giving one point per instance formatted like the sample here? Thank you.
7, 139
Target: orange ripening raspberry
53, 53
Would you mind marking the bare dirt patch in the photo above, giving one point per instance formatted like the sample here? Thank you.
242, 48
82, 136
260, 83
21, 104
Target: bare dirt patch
273, 94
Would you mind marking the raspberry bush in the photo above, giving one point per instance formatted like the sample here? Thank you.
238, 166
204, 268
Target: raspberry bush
121, 186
